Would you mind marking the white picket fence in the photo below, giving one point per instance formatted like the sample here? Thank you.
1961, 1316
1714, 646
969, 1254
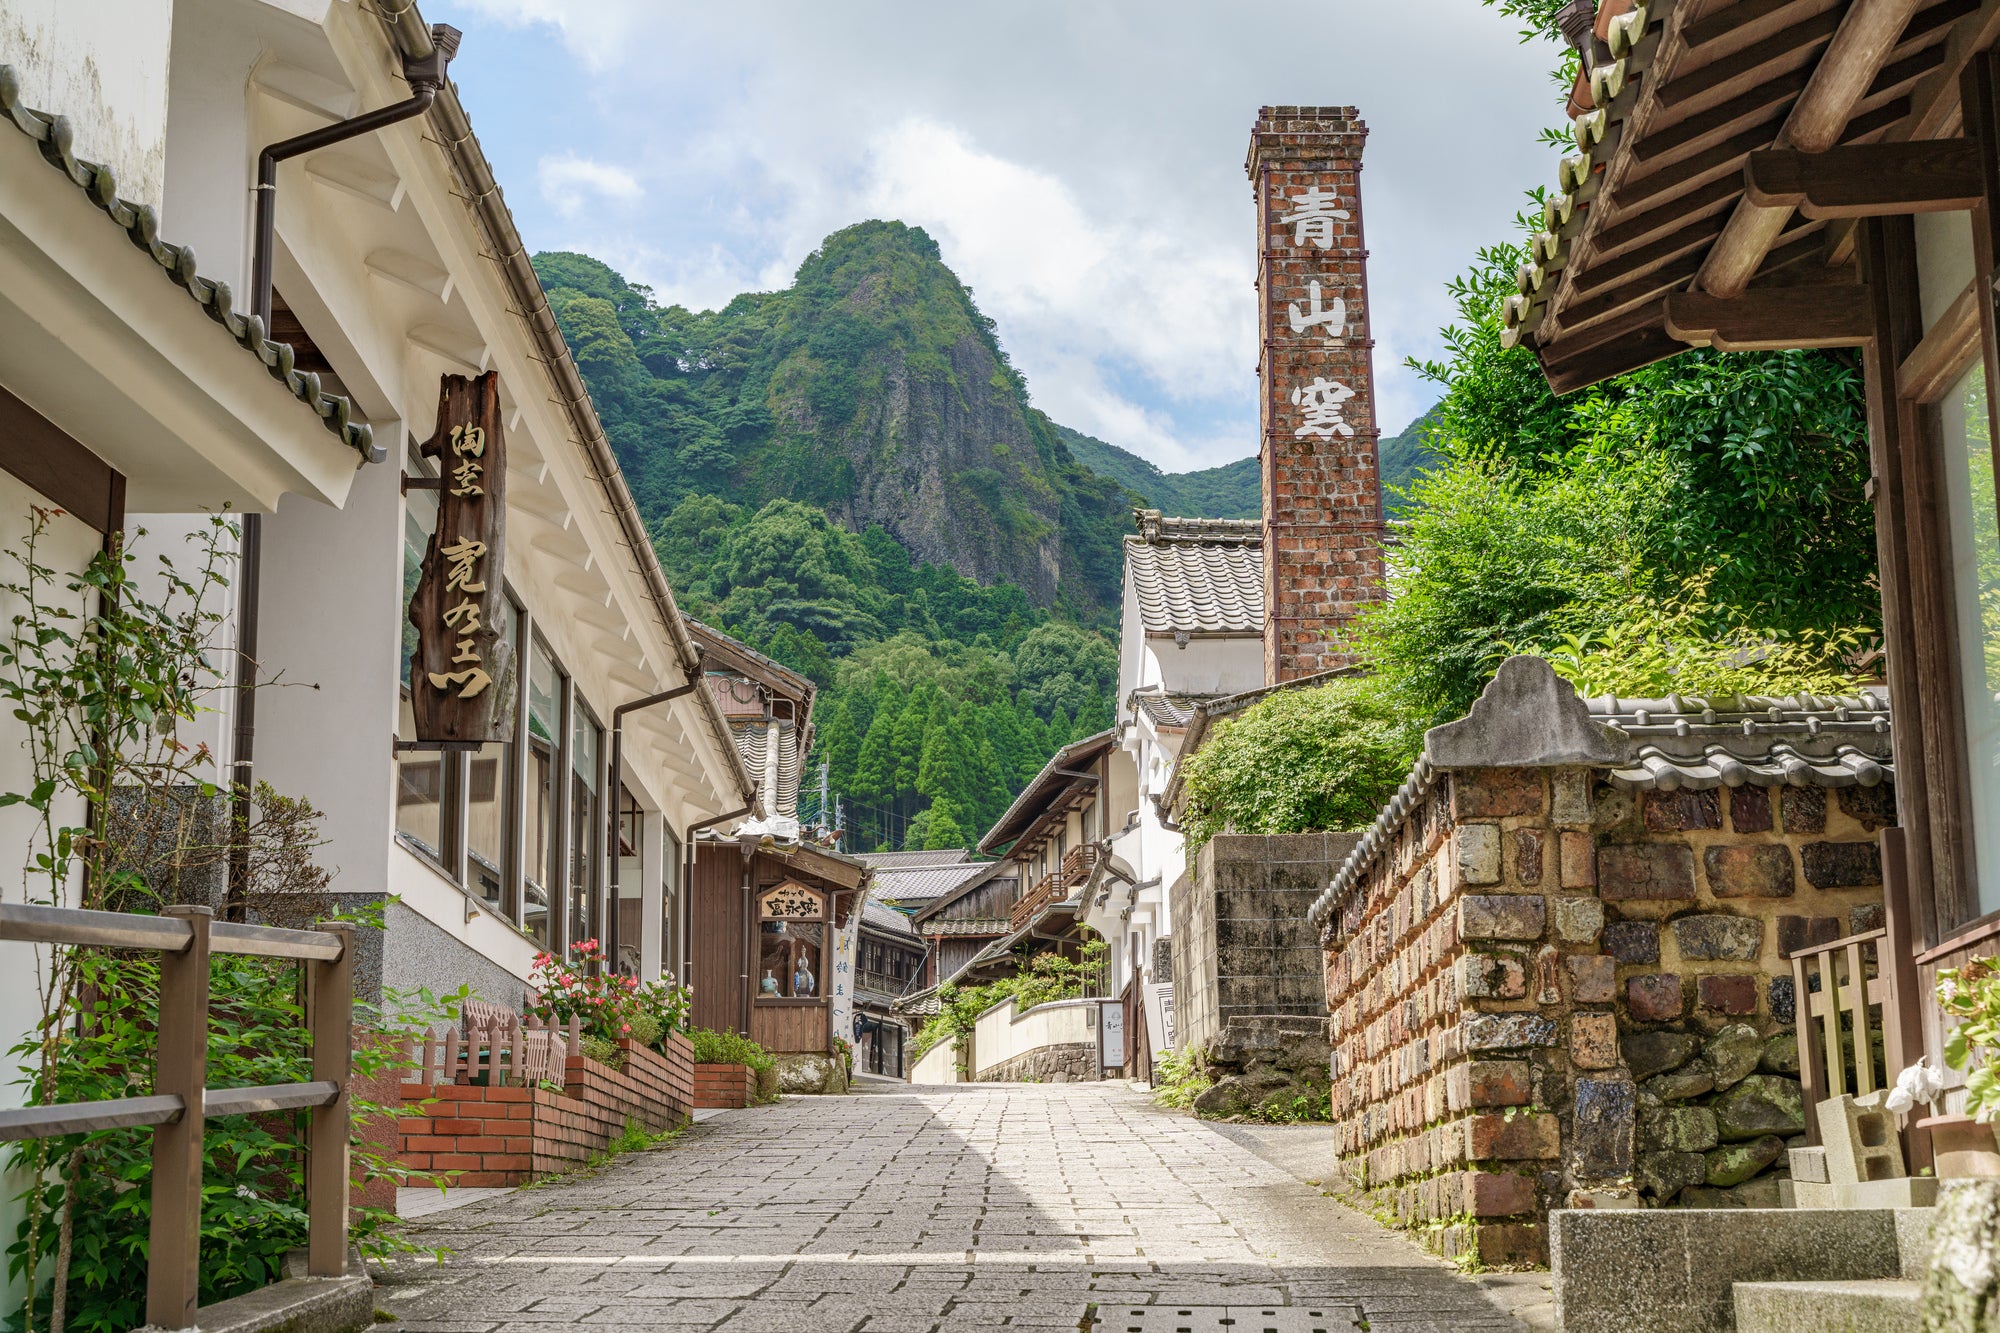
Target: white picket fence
497, 1048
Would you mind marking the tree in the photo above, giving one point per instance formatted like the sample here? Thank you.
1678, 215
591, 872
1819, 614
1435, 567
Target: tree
942, 829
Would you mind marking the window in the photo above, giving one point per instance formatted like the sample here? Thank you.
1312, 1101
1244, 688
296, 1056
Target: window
790, 961
671, 960
585, 827
422, 798
1975, 582
489, 799
545, 691
630, 880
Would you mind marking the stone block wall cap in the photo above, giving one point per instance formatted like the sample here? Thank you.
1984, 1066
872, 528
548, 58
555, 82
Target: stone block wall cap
1527, 717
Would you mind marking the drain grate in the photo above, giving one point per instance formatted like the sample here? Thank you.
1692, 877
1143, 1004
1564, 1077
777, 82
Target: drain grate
1226, 1319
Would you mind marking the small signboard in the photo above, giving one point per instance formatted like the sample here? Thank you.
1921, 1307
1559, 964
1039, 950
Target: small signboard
1111, 1034
461, 681
1160, 1014
790, 901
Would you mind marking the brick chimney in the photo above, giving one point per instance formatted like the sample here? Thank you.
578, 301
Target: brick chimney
1322, 496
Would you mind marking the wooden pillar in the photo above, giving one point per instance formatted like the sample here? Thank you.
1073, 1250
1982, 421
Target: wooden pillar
173, 1271
330, 1016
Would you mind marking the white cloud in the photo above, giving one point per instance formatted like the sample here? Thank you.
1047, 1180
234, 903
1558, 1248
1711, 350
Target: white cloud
570, 183
1080, 165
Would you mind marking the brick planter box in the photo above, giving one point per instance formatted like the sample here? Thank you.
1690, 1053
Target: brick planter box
508, 1135
720, 1086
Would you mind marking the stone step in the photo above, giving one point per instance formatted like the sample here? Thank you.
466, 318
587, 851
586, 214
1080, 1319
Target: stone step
1883, 1305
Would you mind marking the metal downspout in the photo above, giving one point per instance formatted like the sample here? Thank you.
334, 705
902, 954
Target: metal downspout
611, 822
425, 76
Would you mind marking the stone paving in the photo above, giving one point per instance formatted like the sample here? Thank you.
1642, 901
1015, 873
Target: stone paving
975, 1207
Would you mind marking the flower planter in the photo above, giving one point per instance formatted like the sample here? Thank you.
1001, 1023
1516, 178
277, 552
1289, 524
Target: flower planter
722, 1086
1962, 1147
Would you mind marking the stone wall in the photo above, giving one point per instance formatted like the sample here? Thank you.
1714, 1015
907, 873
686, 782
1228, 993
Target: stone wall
1272, 1067
1242, 944
1067, 1063
1549, 991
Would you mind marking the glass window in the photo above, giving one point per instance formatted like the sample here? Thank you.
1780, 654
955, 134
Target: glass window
489, 795
790, 960
545, 686
631, 879
421, 776
585, 832
1975, 580
670, 904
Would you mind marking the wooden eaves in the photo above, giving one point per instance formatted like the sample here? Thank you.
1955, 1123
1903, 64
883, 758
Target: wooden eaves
1731, 146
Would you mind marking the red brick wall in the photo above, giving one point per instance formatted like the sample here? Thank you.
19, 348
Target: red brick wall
723, 1085
505, 1136
1322, 510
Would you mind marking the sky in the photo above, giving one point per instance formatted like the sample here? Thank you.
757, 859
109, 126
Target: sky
1079, 162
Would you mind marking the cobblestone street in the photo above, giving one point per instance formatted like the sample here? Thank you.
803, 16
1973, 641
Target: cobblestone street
910, 1210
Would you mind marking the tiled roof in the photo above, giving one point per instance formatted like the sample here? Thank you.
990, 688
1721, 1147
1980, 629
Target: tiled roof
750, 738
1157, 527
921, 884
1760, 742
1195, 579
1683, 741
142, 224
885, 918
971, 926
1167, 711
888, 860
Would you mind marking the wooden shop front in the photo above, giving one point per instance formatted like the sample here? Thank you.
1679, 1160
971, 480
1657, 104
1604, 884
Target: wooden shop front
767, 927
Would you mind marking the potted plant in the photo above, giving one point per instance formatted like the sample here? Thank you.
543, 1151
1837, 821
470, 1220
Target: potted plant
1965, 1145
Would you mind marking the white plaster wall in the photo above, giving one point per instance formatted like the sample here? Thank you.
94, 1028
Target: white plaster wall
104, 64
939, 1065
1000, 1034
66, 544
328, 637
1207, 666
209, 153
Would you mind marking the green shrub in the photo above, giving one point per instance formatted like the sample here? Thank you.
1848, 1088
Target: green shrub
728, 1048
1299, 761
603, 1050
1039, 978
1184, 1076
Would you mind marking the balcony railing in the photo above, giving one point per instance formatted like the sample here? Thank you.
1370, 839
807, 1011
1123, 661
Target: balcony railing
1056, 885
185, 937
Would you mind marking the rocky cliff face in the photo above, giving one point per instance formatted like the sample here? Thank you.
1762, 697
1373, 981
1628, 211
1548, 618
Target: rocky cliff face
872, 387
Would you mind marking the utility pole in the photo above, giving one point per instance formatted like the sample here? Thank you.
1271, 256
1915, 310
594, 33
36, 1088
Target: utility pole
825, 767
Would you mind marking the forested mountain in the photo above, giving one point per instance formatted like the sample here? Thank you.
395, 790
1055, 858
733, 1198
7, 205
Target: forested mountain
848, 475
1234, 490
1403, 456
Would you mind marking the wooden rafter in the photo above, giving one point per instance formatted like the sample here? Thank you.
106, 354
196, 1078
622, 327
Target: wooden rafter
1772, 319
1867, 180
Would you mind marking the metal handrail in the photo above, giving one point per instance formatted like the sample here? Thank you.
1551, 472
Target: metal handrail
185, 938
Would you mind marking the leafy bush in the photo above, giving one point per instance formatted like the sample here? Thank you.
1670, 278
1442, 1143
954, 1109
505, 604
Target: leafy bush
1971, 994
1299, 760
1039, 978
253, 1169
1184, 1076
609, 1007
728, 1048
603, 1050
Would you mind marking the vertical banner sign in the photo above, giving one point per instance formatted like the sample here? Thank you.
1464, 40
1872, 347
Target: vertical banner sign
842, 988
461, 683
1322, 496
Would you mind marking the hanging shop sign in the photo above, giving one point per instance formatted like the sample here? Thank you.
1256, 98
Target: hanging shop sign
461, 681
790, 901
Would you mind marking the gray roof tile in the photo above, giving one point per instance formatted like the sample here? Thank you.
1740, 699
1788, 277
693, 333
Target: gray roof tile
141, 223
1210, 584
922, 884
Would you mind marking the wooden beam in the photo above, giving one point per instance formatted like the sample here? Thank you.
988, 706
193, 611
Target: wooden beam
1868, 33
1746, 69
1616, 356
1947, 348
1772, 319
1866, 180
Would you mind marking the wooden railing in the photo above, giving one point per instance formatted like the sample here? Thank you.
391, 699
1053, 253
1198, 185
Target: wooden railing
1055, 886
499, 1048
1836, 1014
185, 937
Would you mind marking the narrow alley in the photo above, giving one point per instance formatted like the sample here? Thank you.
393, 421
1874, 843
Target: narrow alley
903, 1211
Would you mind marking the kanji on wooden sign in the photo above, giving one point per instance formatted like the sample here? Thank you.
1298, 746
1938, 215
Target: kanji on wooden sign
461, 681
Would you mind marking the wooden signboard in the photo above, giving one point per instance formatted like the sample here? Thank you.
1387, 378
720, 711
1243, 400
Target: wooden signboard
461, 682
791, 901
